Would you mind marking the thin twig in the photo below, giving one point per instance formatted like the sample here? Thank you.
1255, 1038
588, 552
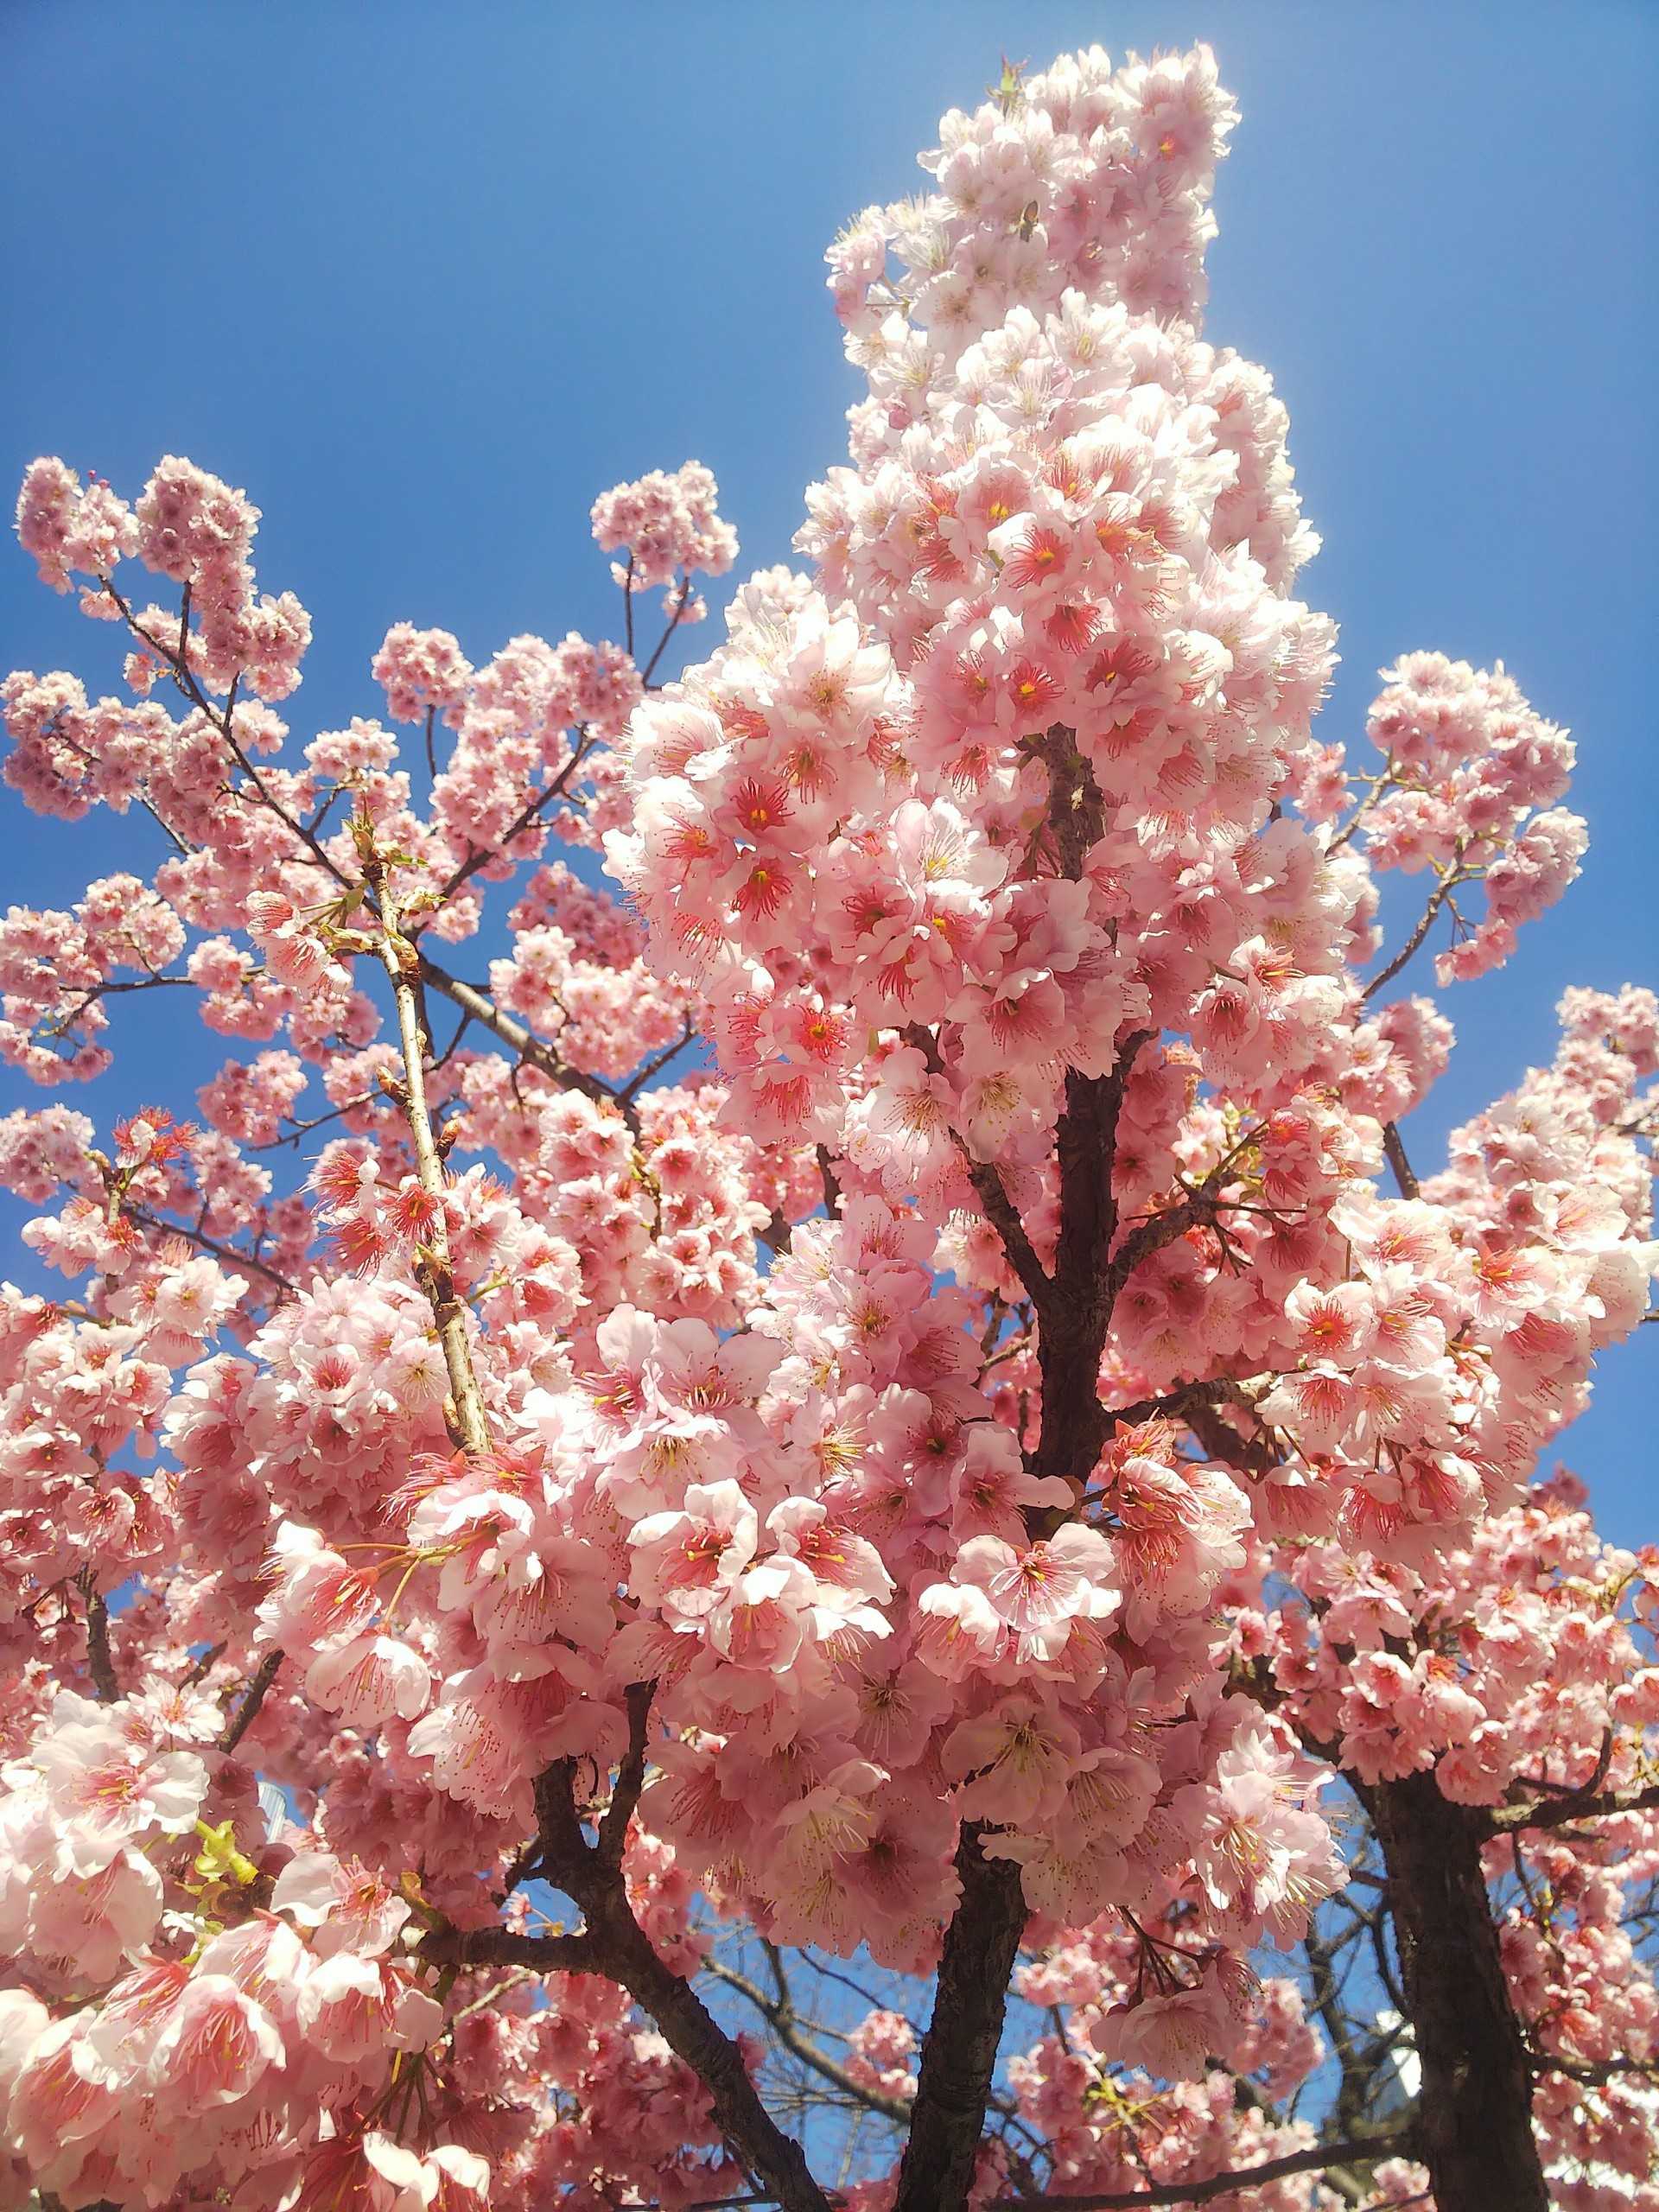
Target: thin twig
228, 1253
1438, 899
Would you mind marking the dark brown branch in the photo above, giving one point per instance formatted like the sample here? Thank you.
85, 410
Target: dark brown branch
1442, 892
1590, 1787
1150, 1236
615, 1945
706, 2204
1086, 1285
676, 608
1394, 1153
100, 1661
829, 1180
1564, 1812
777, 1232
774, 2158
1598, 2075
203, 1666
1353, 2083
1174, 1405
1311, 2161
998, 1208
959, 2050
1379, 783
630, 1774
222, 720
525, 819
512, 1947
1073, 1307
248, 1712
636, 1083
534, 1051
1474, 2131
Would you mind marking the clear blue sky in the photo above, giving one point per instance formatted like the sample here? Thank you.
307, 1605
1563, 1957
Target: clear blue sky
425, 278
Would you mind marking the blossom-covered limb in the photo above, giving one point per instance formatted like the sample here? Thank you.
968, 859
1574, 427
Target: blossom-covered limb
990, 1189
1394, 1151
231, 1254
613, 1833
619, 1947
775, 2158
531, 812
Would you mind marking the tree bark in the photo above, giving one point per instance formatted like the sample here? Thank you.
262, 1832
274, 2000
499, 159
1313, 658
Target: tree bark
1074, 1308
775, 2159
1475, 2129
959, 2056
613, 1944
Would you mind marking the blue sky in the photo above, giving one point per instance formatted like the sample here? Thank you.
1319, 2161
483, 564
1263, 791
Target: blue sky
424, 279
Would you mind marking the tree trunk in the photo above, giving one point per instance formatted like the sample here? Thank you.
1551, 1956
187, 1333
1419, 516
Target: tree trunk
959, 2054
1476, 2124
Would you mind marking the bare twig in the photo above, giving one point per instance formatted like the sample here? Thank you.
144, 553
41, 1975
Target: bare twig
780, 2012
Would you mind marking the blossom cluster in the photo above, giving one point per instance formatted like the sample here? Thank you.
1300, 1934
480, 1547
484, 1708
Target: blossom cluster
191, 528
667, 526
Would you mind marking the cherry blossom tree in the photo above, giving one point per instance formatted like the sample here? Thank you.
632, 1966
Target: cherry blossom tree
854, 1535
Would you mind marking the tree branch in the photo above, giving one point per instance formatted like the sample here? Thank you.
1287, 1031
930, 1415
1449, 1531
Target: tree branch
1563, 1812
1000, 1209
248, 1712
228, 1253
525, 818
1310, 2161
513, 1947
959, 2049
404, 965
534, 1051
1395, 1152
630, 1774
1074, 1308
100, 1661
615, 1945
780, 2015
1437, 897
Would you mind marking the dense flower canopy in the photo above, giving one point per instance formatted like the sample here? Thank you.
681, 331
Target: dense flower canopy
970, 1475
